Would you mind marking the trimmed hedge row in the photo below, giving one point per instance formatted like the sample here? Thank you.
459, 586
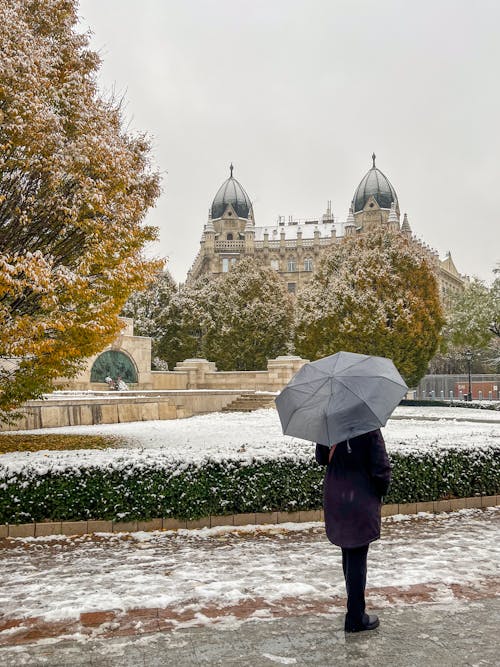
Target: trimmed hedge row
193, 491
429, 402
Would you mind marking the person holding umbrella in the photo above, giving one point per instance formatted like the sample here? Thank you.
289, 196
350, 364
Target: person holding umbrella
357, 476
340, 402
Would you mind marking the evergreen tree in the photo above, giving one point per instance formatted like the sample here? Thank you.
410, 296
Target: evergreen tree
185, 319
74, 190
239, 319
375, 293
149, 308
474, 316
252, 315
473, 323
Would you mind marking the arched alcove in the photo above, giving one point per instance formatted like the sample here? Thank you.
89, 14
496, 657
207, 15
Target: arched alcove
113, 363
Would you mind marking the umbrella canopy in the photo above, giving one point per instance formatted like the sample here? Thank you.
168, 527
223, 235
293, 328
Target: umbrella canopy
339, 397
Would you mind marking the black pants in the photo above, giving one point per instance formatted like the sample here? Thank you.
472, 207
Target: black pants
354, 566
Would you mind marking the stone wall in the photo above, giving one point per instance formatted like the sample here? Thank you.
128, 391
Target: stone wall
137, 348
111, 408
193, 387
203, 374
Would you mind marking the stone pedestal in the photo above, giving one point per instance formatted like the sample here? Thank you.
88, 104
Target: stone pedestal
282, 369
196, 370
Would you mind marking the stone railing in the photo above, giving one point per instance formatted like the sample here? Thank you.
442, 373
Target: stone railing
202, 374
101, 407
230, 245
292, 243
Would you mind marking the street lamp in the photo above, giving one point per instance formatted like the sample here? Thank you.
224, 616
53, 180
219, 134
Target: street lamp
468, 356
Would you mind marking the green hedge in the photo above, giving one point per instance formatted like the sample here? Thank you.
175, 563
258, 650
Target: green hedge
192, 491
436, 403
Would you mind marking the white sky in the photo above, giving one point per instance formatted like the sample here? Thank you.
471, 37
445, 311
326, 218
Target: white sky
298, 94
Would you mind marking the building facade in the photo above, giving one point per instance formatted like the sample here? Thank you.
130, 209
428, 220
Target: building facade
294, 248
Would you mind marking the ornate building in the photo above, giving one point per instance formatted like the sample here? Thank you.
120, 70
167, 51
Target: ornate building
294, 247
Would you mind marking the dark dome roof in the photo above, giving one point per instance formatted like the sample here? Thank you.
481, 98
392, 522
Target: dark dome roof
231, 192
376, 184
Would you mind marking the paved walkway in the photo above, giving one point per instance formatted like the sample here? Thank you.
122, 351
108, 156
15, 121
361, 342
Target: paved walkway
424, 635
255, 597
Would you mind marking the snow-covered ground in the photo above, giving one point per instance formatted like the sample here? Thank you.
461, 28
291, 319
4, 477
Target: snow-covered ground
59, 578
265, 566
255, 434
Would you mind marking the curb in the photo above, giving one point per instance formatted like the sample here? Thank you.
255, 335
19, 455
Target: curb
69, 528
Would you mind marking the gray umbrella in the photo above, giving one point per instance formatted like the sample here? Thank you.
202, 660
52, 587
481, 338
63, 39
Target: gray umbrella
340, 397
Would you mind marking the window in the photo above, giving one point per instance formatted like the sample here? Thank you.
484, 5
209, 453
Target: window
225, 265
291, 287
308, 264
229, 237
291, 265
275, 264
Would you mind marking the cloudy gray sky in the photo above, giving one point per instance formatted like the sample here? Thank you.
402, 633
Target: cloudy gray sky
298, 94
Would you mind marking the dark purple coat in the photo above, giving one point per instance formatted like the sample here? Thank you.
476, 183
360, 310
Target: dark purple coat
355, 481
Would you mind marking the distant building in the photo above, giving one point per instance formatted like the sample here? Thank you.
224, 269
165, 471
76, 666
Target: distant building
294, 247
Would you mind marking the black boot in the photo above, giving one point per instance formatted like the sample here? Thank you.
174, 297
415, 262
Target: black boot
368, 623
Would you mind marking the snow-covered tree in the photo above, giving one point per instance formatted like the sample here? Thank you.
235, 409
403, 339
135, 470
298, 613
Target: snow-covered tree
149, 308
253, 315
74, 190
183, 323
238, 319
474, 315
473, 323
375, 293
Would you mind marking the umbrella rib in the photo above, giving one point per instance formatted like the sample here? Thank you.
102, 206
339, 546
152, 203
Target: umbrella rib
305, 404
364, 377
354, 394
300, 384
354, 363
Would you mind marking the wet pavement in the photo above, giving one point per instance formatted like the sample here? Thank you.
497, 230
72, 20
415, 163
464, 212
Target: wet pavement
253, 596
448, 635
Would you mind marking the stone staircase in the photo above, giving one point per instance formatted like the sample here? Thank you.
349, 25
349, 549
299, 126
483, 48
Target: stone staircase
248, 402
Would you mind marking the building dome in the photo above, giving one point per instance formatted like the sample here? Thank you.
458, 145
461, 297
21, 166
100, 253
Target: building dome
374, 184
231, 192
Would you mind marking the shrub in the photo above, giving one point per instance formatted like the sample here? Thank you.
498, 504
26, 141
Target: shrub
183, 490
477, 405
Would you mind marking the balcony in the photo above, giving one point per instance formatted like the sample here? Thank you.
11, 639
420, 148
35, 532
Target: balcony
230, 246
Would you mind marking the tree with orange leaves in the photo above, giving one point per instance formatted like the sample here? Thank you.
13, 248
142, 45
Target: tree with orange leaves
74, 191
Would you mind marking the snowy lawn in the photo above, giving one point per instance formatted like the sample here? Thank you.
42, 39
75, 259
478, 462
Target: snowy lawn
60, 578
257, 434
233, 463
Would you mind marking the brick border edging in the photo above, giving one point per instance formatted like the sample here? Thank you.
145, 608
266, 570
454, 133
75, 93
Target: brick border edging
46, 528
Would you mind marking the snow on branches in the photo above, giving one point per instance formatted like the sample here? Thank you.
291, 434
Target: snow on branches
375, 293
74, 190
238, 319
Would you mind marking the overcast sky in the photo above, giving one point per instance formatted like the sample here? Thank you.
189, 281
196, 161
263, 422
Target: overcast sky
298, 94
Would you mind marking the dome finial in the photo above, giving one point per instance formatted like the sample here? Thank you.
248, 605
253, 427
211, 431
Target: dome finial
231, 192
374, 183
